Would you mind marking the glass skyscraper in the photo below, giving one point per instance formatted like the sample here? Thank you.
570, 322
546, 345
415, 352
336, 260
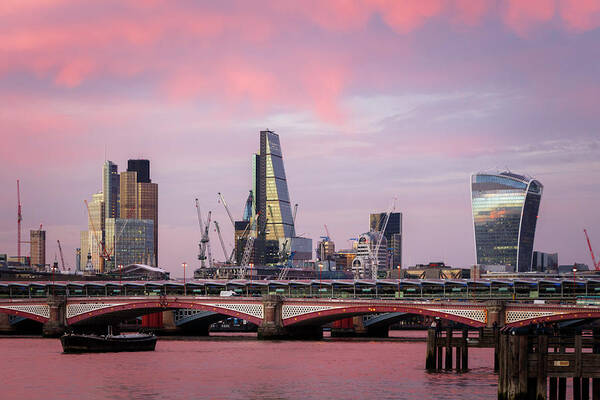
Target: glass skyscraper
130, 241
110, 189
505, 209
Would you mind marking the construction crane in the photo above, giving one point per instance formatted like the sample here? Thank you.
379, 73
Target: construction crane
62, 259
375, 260
327, 231
101, 249
249, 243
19, 219
222, 200
596, 264
204, 246
227, 259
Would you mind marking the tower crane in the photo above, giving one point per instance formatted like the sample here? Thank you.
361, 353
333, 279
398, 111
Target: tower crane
596, 264
101, 249
19, 219
249, 242
227, 259
375, 262
327, 231
62, 259
222, 199
204, 246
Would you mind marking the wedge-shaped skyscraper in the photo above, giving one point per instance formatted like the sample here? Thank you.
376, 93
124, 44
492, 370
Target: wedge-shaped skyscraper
505, 209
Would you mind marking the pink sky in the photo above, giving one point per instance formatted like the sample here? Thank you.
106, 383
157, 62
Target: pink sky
372, 99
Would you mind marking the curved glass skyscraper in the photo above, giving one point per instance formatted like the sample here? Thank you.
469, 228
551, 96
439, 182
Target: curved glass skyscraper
505, 209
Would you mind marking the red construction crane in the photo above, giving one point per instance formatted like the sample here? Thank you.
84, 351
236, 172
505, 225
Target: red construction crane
596, 264
19, 218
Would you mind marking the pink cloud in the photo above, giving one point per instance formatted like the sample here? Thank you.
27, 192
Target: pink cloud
581, 15
521, 16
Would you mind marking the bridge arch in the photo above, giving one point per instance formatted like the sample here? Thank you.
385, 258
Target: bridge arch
81, 313
35, 312
553, 318
475, 317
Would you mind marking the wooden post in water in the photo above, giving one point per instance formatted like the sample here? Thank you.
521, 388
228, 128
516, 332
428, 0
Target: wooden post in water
562, 382
596, 350
577, 377
431, 345
448, 363
553, 388
496, 347
541, 392
439, 349
465, 350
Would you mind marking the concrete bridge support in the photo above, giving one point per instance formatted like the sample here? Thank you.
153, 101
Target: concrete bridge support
5, 326
55, 326
272, 326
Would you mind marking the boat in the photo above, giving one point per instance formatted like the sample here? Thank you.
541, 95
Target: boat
78, 343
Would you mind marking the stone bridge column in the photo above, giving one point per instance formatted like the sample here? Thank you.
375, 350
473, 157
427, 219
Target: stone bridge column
56, 324
5, 326
272, 325
495, 313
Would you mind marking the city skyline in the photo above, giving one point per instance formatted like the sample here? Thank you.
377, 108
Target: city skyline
450, 89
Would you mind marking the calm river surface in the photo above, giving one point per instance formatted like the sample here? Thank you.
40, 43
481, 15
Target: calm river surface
239, 368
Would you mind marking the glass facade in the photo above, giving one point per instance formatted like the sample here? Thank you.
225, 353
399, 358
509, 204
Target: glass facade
129, 241
393, 234
110, 189
505, 208
273, 199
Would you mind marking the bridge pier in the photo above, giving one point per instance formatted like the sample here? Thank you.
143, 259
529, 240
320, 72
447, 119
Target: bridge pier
56, 324
5, 326
272, 326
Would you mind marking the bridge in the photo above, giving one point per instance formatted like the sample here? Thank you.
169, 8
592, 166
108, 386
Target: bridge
299, 308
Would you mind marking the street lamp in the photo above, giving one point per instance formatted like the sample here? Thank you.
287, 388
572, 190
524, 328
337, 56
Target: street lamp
121, 275
184, 287
574, 283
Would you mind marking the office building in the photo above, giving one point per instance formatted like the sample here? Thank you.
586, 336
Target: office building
371, 262
129, 241
325, 250
37, 240
271, 203
393, 234
92, 240
110, 189
544, 262
505, 210
139, 197
141, 168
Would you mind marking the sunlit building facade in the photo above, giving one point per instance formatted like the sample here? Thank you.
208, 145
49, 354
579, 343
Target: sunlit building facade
37, 239
505, 210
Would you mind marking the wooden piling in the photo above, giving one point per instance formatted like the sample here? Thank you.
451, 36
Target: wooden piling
430, 364
541, 392
465, 350
562, 388
596, 350
553, 389
585, 388
448, 364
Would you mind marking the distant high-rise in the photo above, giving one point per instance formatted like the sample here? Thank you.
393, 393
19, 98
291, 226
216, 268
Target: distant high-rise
142, 168
139, 197
130, 240
272, 200
393, 234
38, 248
92, 240
110, 189
505, 210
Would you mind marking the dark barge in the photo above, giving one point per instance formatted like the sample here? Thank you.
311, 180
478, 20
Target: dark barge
73, 343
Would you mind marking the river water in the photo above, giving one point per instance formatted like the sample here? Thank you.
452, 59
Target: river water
237, 367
